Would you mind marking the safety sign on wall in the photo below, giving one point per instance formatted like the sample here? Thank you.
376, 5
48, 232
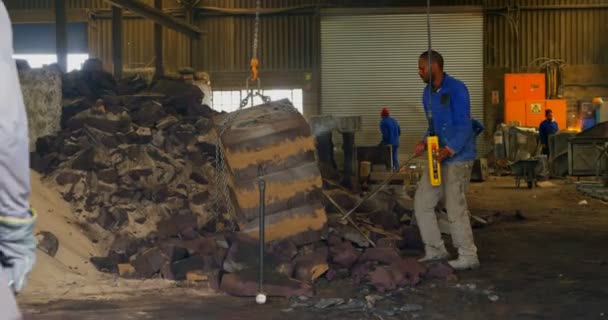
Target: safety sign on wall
536, 108
495, 97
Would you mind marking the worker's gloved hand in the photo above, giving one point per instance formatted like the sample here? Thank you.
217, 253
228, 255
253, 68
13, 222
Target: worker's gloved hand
419, 149
444, 153
18, 247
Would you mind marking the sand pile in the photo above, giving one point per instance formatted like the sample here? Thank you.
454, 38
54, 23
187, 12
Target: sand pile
69, 274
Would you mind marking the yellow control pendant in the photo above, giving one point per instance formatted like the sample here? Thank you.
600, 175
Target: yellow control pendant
432, 144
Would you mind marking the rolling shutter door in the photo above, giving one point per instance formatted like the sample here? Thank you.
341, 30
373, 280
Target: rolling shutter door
370, 61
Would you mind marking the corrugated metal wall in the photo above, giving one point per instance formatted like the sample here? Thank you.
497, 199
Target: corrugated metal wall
138, 44
572, 30
574, 33
370, 63
286, 43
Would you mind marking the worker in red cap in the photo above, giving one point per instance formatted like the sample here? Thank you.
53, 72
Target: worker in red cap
391, 132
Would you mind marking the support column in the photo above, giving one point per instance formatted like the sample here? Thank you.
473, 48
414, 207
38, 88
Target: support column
190, 19
348, 146
325, 148
158, 43
117, 41
61, 35
606, 169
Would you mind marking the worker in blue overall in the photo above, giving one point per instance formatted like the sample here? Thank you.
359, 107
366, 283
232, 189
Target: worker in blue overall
546, 128
451, 118
17, 242
391, 132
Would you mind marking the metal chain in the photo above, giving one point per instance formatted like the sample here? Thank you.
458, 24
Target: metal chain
222, 194
256, 29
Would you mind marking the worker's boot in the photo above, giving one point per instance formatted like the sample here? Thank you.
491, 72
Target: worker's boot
465, 263
434, 254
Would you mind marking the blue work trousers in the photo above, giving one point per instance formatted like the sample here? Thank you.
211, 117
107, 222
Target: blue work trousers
395, 157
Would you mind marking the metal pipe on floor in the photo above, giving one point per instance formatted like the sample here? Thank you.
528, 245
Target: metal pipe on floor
375, 191
349, 219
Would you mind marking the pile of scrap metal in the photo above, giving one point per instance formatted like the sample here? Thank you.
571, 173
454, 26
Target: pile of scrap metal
323, 128
572, 152
274, 143
590, 114
273, 183
516, 149
362, 166
588, 153
512, 143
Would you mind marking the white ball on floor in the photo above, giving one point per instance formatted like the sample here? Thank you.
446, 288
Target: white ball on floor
260, 298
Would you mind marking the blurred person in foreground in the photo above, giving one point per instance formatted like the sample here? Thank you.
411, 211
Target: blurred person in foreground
17, 243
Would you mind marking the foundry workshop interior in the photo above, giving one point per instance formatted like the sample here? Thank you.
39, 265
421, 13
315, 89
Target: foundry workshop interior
304, 159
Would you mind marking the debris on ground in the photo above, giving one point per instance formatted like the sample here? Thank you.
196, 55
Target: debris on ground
546, 184
47, 243
368, 306
324, 303
596, 190
485, 218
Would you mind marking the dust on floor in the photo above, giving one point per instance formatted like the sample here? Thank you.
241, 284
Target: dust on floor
551, 265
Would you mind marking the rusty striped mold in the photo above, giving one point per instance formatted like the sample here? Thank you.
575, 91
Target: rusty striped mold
277, 139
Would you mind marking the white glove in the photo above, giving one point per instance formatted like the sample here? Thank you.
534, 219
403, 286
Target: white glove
18, 246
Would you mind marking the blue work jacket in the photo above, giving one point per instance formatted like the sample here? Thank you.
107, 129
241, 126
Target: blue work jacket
391, 131
451, 111
546, 129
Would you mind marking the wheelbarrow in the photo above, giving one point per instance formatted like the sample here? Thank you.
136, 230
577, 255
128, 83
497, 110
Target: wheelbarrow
525, 170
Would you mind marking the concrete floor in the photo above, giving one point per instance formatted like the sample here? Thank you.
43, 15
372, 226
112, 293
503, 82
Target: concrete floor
553, 265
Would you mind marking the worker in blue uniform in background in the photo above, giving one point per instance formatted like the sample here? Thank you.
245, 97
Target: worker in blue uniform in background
391, 132
451, 113
547, 128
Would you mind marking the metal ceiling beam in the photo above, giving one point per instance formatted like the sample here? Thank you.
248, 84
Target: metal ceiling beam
157, 16
61, 35
264, 11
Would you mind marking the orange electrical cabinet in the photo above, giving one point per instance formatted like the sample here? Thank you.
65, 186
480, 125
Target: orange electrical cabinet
515, 112
560, 112
514, 87
524, 86
535, 112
